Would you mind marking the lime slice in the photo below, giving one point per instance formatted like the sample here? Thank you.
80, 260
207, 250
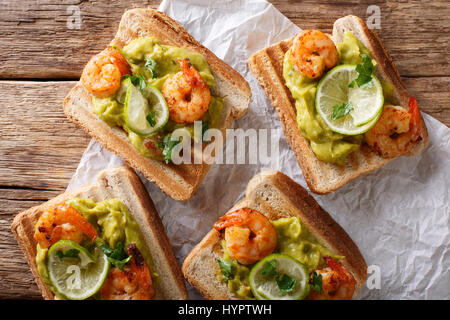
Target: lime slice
158, 105
139, 105
76, 278
266, 286
333, 90
121, 94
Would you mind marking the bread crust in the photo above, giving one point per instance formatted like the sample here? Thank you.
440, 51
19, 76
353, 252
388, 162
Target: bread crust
178, 181
322, 177
276, 196
117, 182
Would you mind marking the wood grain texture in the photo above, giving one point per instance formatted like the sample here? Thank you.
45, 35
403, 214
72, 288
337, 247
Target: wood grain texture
40, 148
16, 280
54, 50
417, 33
39, 151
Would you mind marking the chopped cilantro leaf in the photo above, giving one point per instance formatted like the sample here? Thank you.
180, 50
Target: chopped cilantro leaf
118, 257
138, 81
205, 126
70, 253
150, 64
342, 110
316, 282
365, 70
151, 118
167, 145
227, 268
269, 268
285, 283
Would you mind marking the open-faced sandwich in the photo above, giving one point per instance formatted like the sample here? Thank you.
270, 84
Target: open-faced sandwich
276, 243
102, 241
153, 79
341, 102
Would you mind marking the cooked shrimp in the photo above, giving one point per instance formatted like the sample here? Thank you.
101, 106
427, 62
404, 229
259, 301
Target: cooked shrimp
249, 235
313, 53
103, 73
134, 282
396, 132
337, 282
187, 94
62, 222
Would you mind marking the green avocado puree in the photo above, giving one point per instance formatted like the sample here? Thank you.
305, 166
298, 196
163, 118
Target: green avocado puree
293, 239
136, 53
239, 284
114, 224
328, 146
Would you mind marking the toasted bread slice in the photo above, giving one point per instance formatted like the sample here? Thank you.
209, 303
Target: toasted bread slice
323, 177
124, 184
178, 181
277, 196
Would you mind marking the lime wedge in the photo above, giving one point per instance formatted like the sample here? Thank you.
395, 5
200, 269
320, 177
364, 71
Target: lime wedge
75, 273
265, 287
366, 103
145, 112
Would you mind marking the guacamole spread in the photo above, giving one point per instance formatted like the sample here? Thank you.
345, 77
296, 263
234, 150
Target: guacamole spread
114, 224
328, 146
239, 283
138, 52
293, 239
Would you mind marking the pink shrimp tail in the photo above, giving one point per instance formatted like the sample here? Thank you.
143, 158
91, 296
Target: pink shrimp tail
338, 268
415, 117
230, 219
235, 218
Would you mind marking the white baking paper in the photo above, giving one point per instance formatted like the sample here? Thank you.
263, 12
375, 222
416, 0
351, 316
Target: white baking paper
398, 215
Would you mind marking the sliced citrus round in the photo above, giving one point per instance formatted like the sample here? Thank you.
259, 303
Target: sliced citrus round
158, 105
146, 112
74, 272
365, 103
273, 286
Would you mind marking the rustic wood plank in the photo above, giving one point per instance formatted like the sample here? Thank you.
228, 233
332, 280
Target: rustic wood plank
54, 50
40, 148
16, 280
433, 96
39, 152
417, 33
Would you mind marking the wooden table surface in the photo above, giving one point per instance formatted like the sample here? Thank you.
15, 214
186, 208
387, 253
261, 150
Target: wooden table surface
40, 60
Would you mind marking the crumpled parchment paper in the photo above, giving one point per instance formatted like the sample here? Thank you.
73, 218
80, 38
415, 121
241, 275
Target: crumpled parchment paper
398, 215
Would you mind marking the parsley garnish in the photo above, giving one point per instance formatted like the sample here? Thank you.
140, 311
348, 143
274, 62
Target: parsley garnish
118, 257
269, 268
151, 118
70, 253
285, 283
205, 126
138, 81
365, 70
227, 268
167, 145
342, 110
316, 282
150, 64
